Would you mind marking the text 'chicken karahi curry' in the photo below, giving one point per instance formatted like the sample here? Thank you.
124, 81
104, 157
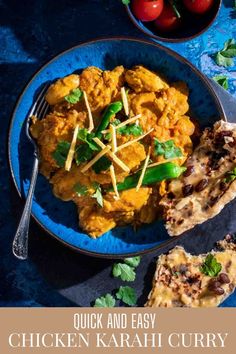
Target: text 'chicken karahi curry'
111, 140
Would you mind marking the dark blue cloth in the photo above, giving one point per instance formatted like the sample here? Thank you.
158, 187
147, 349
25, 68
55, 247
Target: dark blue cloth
31, 33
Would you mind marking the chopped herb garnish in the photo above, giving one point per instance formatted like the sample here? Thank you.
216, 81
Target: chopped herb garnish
87, 138
133, 261
222, 81
124, 271
167, 149
105, 301
61, 152
230, 176
98, 195
101, 165
210, 266
224, 56
127, 295
131, 129
80, 189
83, 153
74, 96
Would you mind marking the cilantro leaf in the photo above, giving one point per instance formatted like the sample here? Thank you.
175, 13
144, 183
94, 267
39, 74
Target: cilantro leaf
105, 301
125, 2
224, 56
83, 153
221, 60
98, 195
230, 176
80, 189
102, 164
131, 129
222, 80
127, 295
167, 149
133, 261
210, 266
87, 138
74, 96
115, 122
61, 152
124, 271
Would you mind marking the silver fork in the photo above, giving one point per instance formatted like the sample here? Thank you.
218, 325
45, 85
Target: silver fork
20, 242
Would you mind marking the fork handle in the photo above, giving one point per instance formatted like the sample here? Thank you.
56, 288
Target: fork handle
20, 242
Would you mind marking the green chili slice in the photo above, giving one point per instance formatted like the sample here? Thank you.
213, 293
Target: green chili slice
110, 111
152, 175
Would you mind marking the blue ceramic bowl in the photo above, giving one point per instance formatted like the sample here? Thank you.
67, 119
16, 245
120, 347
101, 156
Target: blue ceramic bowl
60, 218
193, 25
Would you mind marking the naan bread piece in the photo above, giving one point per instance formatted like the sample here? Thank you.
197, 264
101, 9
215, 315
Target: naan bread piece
179, 281
207, 185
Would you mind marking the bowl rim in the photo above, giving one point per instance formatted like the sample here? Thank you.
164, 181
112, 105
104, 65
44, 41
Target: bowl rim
170, 40
38, 71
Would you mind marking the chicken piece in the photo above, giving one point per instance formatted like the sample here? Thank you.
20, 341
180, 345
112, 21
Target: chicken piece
151, 210
64, 182
185, 126
129, 200
101, 87
94, 221
61, 88
177, 97
49, 131
144, 104
141, 79
132, 155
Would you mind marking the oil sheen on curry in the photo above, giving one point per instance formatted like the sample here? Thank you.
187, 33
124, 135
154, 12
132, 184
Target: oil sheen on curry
111, 141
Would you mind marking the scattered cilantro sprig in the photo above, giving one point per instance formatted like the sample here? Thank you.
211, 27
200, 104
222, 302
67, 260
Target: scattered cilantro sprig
166, 149
105, 301
124, 271
127, 295
225, 56
210, 266
74, 96
133, 261
222, 80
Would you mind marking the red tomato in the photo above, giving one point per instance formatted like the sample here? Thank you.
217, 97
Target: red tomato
198, 6
147, 10
168, 20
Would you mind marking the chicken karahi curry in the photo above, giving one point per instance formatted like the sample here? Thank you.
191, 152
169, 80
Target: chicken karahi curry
110, 142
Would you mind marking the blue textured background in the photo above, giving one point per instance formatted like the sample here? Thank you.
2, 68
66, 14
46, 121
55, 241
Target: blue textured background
31, 33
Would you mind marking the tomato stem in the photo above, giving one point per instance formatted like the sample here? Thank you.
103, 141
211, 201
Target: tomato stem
173, 4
